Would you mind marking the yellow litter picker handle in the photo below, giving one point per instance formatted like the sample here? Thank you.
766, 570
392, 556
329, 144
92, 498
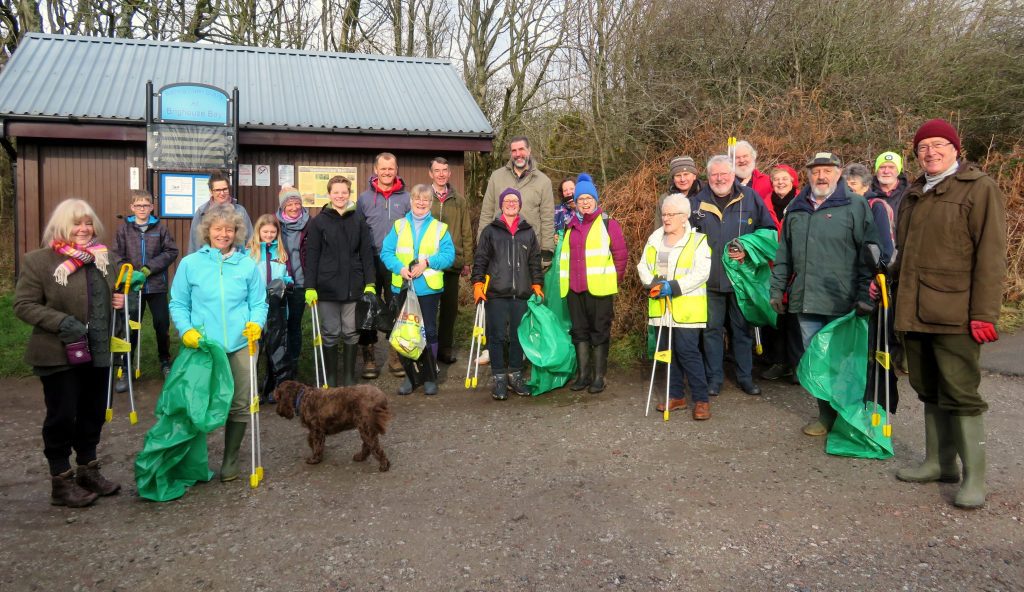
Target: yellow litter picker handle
125, 276
880, 279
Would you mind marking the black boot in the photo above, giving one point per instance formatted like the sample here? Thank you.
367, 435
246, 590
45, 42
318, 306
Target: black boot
582, 366
500, 391
348, 364
65, 492
331, 365
517, 384
600, 366
89, 478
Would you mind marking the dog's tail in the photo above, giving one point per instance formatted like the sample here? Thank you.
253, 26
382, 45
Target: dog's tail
381, 416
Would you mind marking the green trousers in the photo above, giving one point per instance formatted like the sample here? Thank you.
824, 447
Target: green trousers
945, 371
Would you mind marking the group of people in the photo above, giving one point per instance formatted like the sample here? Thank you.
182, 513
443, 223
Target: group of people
942, 240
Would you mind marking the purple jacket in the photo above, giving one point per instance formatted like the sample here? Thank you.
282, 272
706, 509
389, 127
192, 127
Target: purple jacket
578, 249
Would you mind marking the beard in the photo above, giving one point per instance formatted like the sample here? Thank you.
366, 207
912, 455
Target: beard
744, 172
825, 191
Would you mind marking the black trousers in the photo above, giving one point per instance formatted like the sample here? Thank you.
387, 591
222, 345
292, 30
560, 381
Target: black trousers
157, 304
783, 344
295, 300
449, 309
75, 403
591, 317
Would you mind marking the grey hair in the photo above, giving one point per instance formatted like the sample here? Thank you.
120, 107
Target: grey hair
679, 201
720, 158
753, 152
222, 213
858, 171
64, 217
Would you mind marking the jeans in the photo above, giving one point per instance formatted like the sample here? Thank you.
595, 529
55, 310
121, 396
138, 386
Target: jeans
503, 316
720, 305
687, 364
810, 324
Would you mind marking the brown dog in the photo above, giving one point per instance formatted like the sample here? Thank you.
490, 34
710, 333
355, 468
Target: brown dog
329, 411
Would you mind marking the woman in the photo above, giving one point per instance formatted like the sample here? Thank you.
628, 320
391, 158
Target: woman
784, 345
293, 218
785, 186
675, 266
418, 249
592, 264
509, 253
65, 293
339, 267
567, 208
219, 294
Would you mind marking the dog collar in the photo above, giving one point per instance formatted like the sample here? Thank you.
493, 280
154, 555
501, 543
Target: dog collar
298, 402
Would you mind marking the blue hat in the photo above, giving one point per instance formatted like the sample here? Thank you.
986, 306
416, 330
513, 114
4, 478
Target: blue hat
513, 192
585, 186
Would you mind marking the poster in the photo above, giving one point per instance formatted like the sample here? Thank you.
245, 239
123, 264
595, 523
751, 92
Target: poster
182, 193
285, 175
313, 183
245, 175
263, 175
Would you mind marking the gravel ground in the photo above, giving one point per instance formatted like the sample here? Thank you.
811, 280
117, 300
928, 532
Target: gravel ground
559, 492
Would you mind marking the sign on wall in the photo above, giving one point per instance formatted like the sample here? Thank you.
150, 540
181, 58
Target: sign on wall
194, 103
181, 194
313, 183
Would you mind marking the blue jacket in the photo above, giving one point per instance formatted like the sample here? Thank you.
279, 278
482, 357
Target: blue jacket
218, 296
441, 260
744, 213
269, 267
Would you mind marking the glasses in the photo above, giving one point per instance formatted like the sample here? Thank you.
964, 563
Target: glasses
141, 206
427, 199
671, 214
225, 190
583, 199
926, 148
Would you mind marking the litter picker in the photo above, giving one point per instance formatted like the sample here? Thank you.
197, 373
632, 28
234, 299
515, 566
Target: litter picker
137, 327
254, 418
319, 364
478, 339
662, 356
882, 358
121, 346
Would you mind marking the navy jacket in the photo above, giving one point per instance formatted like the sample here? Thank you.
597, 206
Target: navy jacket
154, 249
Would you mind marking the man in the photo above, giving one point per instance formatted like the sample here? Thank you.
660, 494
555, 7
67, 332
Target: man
819, 261
890, 183
450, 208
385, 201
220, 193
951, 264
724, 210
748, 175
682, 178
521, 173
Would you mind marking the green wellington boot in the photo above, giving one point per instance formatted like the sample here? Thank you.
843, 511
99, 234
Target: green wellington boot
822, 425
331, 365
234, 432
939, 451
969, 435
348, 364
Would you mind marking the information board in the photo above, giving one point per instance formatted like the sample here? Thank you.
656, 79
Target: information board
313, 183
181, 194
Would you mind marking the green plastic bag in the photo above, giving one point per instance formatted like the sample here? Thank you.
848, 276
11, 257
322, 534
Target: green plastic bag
195, 400
542, 327
751, 279
834, 369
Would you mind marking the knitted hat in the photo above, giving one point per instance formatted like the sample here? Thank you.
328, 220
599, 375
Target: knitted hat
514, 193
789, 171
288, 192
584, 186
891, 157
682, 164
937, 128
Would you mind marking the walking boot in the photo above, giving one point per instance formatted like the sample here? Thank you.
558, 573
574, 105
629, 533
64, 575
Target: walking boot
600, 366
65, 492
822, 425
516, 383
331, 365
969, 435
370, 368
348, 364
89, 478
394, 364
777, 371
500, 392
939, 451
582, 367
234, 432
446, 356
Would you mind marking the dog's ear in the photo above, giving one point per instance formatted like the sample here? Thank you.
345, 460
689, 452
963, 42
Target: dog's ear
285, 394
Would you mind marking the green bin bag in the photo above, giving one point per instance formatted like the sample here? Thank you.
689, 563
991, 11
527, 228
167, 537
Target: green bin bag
544, 334
195, 401
834, 369
751, 279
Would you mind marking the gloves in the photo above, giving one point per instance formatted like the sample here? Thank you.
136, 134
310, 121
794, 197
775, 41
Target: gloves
370, 289
311, 296
538, 291
191, 339
873, 291
864, 309
661, 289
138, 278
777, 305
252, 331
71, 329
984, 332
146, 271
479, 293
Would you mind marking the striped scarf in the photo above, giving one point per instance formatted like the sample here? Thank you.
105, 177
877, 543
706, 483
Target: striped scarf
77, 258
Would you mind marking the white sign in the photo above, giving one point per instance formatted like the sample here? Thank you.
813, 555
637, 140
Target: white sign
263, 175
245, 175
202, 191
285, 175
178, 195
133, 178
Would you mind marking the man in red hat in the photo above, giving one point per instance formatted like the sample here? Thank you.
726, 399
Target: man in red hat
950, 265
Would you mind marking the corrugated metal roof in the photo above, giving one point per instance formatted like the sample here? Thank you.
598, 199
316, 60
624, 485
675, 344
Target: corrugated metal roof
67, 76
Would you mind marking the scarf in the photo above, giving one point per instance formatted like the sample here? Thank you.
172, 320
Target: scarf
931, 181
78, 258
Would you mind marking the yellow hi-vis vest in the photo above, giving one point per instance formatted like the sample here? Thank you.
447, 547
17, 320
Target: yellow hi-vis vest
688, 308
602, 278
429, 245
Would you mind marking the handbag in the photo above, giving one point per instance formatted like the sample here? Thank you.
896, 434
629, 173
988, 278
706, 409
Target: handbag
78, 352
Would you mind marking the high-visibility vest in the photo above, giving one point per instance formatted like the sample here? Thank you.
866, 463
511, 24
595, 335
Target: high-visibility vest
688, 308
430, 243
602, 279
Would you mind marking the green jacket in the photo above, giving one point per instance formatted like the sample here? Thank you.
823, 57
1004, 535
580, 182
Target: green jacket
819, 262
951, 253
455, 213
538, 201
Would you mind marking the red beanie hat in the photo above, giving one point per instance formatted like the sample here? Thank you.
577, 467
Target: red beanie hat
937, 128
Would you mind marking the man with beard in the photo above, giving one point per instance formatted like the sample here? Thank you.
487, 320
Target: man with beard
748, 175
819, 261
889, 183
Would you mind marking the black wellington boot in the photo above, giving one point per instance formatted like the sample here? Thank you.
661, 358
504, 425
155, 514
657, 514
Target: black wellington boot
600, 366
582, 366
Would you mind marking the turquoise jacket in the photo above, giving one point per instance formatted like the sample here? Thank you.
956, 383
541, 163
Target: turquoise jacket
275, 270
441, 260
218, 296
